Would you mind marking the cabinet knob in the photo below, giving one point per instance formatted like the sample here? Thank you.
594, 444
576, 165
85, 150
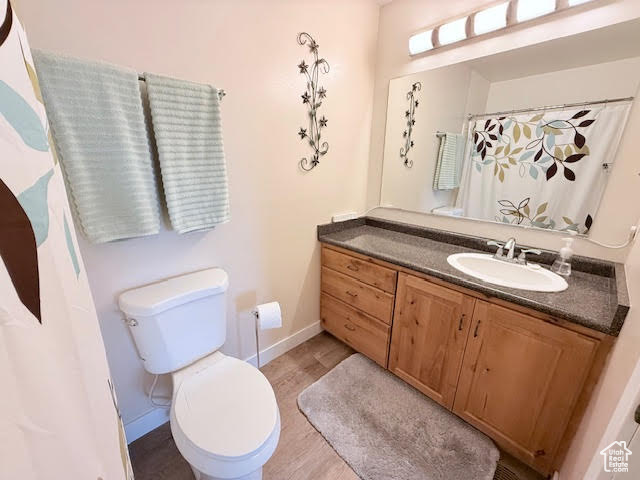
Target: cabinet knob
349, 327
353, 267
539, 453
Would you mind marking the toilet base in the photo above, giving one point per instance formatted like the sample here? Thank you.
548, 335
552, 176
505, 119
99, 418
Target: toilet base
255, 475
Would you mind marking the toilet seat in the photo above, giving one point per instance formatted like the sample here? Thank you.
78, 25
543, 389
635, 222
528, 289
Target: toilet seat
224, 417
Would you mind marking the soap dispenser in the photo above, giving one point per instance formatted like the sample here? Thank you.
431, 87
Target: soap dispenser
562, 264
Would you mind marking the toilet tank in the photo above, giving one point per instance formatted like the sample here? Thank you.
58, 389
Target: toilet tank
176, 321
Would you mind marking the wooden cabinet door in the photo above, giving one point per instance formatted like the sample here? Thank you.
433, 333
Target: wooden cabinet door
520, 380
430, 327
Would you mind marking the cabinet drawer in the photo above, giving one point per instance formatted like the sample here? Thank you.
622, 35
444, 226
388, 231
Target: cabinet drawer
365, 271
369, 299
358, 330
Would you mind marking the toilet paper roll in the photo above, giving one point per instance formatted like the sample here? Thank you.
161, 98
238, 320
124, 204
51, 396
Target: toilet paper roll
269, 315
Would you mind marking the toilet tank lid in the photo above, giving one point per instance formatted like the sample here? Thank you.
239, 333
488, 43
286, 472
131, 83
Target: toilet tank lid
158, 297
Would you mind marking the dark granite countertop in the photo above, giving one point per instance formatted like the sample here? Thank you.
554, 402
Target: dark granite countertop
597, 296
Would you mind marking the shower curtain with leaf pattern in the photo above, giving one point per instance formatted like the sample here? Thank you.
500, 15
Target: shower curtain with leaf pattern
58, 412
541, 169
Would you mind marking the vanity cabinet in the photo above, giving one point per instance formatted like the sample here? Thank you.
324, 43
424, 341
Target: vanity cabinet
370, 300
361, 269
430, 328
355, 328
520, 380
520, 376
357, 301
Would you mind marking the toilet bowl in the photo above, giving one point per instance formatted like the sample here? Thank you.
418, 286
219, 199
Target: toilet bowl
224, 416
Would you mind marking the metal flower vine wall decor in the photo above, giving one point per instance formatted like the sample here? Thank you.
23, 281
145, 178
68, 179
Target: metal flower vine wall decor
411, 121
313, 98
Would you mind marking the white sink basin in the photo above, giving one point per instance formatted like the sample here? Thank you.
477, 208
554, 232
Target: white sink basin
524, 277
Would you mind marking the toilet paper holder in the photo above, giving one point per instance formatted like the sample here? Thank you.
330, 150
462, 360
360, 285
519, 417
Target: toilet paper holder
271, 309
256, 317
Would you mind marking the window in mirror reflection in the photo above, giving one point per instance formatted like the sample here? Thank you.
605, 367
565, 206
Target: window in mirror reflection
420, 42
490, 19
453, 31
528, 9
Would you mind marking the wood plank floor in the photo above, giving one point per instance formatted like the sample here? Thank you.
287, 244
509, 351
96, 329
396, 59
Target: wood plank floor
302, 452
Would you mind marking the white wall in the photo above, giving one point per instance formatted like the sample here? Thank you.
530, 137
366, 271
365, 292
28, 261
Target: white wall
478, 94
400, 18
594, 82
248, 48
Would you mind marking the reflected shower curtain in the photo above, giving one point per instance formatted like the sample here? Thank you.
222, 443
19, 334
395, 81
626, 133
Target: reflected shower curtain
541, 169
58, 413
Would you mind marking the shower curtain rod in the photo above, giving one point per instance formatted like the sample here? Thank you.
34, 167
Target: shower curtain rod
221, 92
550, 107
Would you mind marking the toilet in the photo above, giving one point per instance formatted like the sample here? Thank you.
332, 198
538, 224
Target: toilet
224, 416
448, 211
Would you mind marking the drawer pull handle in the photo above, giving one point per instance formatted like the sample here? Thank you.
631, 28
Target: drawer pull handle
475, 332
351, 294
539, 453
461, 321
353, 267
350, 327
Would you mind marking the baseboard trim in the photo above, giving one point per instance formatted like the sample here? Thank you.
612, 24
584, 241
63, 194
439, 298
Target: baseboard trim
156, 417
286, 344
145, 423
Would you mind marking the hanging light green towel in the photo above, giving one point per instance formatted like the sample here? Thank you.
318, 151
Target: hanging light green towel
96, 119
449, 163
188, 131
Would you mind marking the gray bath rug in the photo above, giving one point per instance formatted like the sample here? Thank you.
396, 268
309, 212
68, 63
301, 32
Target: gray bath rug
386, 430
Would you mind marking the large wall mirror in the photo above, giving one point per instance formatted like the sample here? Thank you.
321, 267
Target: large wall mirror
526, 137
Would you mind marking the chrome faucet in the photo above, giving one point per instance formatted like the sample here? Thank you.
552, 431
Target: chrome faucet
510, 247
522, 258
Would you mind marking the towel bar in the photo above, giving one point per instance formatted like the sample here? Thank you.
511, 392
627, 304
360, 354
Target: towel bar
221, 92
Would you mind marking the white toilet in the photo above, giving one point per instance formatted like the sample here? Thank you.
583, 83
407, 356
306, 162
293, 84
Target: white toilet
224, 416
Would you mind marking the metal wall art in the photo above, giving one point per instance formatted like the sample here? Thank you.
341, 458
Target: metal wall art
411, 121
313, 97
